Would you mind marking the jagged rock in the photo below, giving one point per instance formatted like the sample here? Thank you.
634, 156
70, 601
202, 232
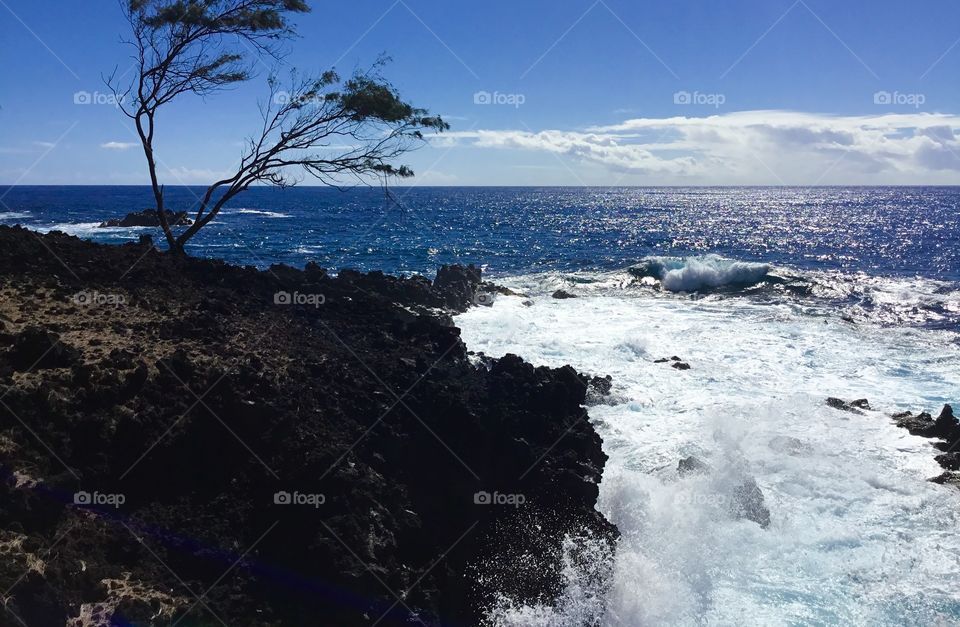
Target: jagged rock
693, 465
950, 461
920, 424
852, 407
948, 478
148, 217
945, 428
680, 365
923, 424
748, 502
598, 390
37, 349
209, 398
563, 295
458, 286
946, 423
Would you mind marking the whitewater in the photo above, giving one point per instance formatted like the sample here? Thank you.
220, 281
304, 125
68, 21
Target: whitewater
857, 533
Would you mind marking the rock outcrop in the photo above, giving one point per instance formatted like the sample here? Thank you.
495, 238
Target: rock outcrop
944, 428
287, 446
854, 407
148, 217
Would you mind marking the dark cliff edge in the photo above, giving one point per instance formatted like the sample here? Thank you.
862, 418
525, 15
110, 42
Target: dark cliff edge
185, 440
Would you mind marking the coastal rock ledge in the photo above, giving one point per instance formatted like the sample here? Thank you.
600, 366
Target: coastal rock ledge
185, 440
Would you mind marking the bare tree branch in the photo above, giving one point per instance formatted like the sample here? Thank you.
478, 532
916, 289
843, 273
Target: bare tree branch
320, 127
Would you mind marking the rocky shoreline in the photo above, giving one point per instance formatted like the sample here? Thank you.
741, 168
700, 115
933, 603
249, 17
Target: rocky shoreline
186, 441
944, 428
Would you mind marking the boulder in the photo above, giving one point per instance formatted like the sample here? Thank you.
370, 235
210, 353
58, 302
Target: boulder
748, 502
746, 499
950, 461
563, 295
459, 286
148, 217
692, 465
854, 407
37, 349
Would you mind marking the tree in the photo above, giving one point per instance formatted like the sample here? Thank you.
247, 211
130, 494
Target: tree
200, 47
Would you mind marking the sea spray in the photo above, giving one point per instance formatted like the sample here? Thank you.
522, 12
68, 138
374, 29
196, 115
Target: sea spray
857, 535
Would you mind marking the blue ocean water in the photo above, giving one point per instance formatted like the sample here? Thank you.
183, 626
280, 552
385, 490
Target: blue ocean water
843, 245
889, 231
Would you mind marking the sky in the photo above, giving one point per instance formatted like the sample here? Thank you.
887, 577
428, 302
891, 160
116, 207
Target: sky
537, 92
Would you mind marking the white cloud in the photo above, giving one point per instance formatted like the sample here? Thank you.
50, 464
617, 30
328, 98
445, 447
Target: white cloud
752, 147
119, 145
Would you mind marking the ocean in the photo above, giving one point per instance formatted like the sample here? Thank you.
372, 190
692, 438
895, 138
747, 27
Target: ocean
777, 298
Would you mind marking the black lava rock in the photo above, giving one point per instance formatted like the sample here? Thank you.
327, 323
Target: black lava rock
148, 217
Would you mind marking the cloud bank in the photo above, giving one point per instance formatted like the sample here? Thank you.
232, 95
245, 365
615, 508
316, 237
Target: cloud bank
751, 147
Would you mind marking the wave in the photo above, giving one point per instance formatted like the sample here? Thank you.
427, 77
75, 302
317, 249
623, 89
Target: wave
14, 215
265, 214
852, 297
856, 534
697, 274
91, 229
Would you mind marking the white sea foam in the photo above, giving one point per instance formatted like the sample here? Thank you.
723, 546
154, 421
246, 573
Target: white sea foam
691, 274
265, 214
14, 215
857, 536
93, 229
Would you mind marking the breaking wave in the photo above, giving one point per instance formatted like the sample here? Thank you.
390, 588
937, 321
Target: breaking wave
695, 274
14, 215
262, 213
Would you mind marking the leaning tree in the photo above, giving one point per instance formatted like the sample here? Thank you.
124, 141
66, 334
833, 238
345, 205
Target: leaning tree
322, 127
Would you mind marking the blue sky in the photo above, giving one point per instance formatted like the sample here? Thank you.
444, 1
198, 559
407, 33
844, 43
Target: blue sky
584, 92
